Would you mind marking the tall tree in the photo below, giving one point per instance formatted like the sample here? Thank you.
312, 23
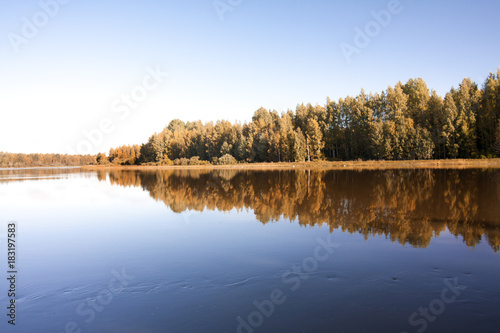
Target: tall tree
436, 122
299, 146
489, 113
467, 100
496, 144
403, 125
334, 130
450, 132
418, 99
314, 139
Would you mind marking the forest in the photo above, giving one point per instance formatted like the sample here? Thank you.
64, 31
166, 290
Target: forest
12, 160
406, 122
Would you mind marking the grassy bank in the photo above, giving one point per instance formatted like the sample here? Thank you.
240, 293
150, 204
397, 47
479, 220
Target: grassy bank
353, 165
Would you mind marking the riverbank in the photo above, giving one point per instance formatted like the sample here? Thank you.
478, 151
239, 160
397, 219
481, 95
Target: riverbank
352, 165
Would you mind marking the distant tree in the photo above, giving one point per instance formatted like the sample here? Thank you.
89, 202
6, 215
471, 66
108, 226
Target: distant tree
125, 155
11, 160
102, 159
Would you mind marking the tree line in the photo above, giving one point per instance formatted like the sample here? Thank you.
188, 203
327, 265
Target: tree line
12, 160
407, 121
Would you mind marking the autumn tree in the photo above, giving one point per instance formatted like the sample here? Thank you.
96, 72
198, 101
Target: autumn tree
417, 102
402, 126
496, 145
125, 155
286, 137
314, 140
436, 122
299, 146
361, 126
102, 159
380, 138
408, 121
467, 100
450, 128
489, 112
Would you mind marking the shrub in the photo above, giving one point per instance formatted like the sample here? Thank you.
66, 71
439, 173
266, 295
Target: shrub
181, 161
165, 161
227, 159
195, 160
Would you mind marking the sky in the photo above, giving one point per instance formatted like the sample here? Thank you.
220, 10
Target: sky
81, 76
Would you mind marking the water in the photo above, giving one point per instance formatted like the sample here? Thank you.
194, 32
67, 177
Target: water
253, 251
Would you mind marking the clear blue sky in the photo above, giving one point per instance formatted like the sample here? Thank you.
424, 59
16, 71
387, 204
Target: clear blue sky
274, 54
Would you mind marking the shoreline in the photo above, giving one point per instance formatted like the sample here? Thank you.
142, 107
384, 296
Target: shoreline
41, 167
338, 165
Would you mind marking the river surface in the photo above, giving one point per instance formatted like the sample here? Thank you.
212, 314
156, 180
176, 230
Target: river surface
186, 251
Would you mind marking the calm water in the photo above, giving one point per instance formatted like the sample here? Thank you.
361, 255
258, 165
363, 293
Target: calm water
249, 251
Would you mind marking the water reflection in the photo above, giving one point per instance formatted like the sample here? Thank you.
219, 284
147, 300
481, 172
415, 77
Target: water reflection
75, 231
408, 206
21, 174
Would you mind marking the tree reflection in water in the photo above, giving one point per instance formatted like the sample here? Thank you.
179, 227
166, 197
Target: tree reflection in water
408, 206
